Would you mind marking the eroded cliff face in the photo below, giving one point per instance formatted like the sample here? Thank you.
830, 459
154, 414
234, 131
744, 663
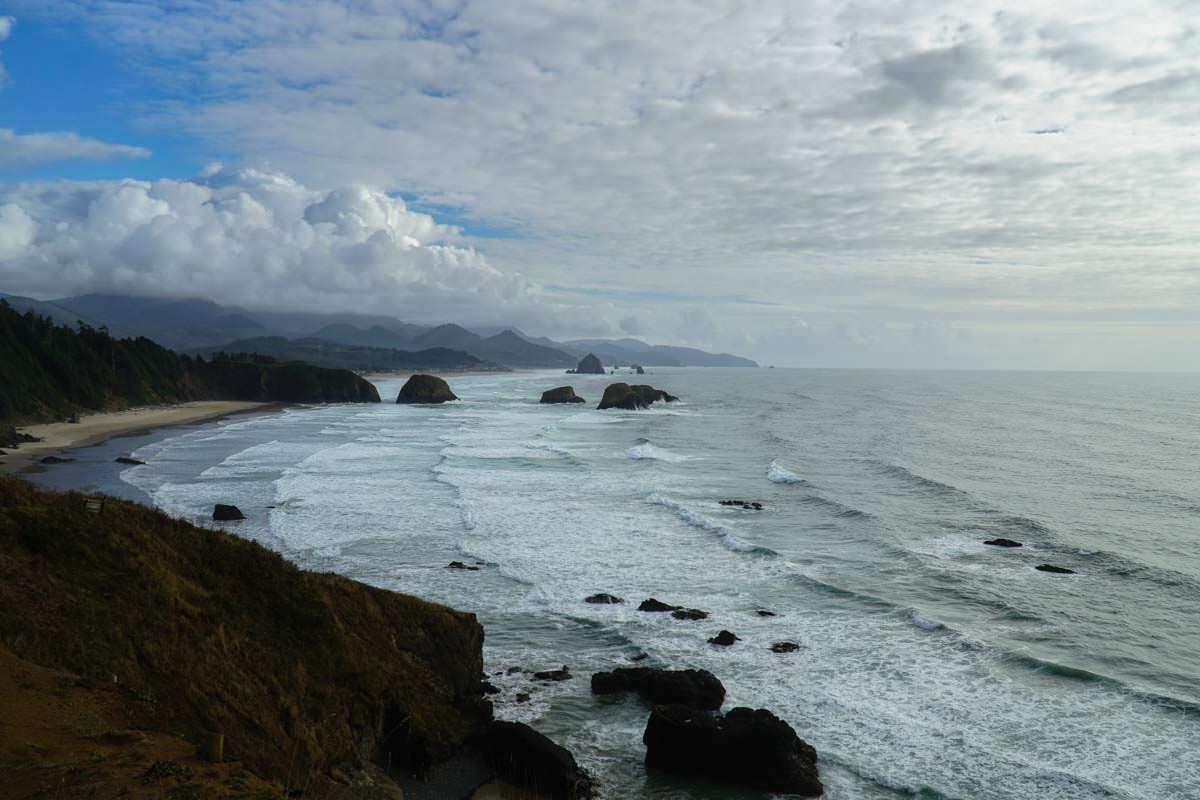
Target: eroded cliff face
311, 677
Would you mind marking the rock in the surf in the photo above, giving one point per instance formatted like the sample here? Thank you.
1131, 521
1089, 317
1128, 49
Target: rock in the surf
1002, 542
765, 612
784, 647
724, 639
638, 369
128, 460
226, 513
589, 365
460, 565
553, 674
423, 389
561, 394
522, 756
603, 599
631, 398
751, 748
655, 605
1054, 569
695, 688
56, 460
689, 614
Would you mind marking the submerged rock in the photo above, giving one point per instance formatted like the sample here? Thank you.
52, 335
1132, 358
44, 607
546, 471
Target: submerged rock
590, 365
422, 389
747, 747
128, 460
689, 613
603, 599
522, 756
654, 605
462, 566
631, 398
763, 612
749, 505
1002, 542
724, 639
695, 688
224, 513
561, 394
56, 460
784, 647
1054, 569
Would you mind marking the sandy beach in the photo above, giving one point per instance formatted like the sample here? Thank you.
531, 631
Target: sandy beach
92, 429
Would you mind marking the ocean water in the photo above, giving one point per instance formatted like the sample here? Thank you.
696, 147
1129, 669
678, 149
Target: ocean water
930, 665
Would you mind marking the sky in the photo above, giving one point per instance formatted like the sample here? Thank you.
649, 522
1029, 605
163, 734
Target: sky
848, 184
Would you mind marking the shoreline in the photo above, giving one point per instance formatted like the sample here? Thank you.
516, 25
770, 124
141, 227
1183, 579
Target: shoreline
95, 429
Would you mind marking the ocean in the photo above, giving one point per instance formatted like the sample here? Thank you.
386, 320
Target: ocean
929, 664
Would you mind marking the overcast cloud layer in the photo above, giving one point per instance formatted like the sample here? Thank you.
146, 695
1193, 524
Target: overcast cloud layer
850, 183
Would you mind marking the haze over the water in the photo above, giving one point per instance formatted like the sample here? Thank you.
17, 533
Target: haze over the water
836, 184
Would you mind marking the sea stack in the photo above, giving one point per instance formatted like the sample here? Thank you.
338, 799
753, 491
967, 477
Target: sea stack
425, 389
590, 365
631, 398
561, 394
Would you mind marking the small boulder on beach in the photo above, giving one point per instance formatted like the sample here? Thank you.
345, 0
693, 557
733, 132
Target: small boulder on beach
724, 639
561, 394
695, 688
1054, 569
226, 513
657, 606
1002, 542
425, 389
603, 599
751, 748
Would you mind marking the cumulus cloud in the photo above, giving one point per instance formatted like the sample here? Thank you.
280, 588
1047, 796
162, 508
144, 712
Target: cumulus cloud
6, 26
254, 238
28, 149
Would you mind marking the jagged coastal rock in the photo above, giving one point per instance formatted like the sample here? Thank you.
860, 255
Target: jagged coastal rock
631, 398
746, 747
724, 639
525, 757
561, 394
603, 599
655, 605
695, 688
226, 513
589, 365
425, 389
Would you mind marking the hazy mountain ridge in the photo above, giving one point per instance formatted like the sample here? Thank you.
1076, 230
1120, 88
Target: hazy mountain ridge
202, 325
325, 353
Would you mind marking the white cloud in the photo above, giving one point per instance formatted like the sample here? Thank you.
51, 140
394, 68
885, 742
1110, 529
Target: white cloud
252, 238
28, 149
6, 26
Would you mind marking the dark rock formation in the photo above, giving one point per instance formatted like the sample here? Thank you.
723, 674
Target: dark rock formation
9, 437
224, 513
554, 674
425, 389
695, 688
462, 566
638, 369
631, 398
487, 687
763, 612
561, 394
522, 756
747, 747
1003, 542
128, 460
1054, 569
56, 460
784, 647
656, 605
724, 639
603, 599
589, 365
749, 505
689, 613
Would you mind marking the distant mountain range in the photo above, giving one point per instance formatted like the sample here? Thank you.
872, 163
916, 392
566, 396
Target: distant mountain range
356, 341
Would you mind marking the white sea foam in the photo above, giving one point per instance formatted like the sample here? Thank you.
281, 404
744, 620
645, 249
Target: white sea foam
647, 450
779, 474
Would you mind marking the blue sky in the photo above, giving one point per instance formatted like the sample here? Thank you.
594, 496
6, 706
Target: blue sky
860, 184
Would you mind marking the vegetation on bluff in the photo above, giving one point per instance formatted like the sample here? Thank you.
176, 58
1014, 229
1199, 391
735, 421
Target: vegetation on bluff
311, 677
50, 371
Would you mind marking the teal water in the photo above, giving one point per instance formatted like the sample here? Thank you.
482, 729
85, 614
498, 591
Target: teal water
930, 665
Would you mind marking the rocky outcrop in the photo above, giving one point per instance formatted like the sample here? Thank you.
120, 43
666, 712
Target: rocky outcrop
1054, 569
749, 505
631, 398
638, 369
689, 614
603, 599
657, 606
522, 756
11, 438
561, 394
461, 566
1002, 542
784, 647
589, 365
724, 639
695, 688
425, 389
127, 460
55, 460
750, 748
225, 513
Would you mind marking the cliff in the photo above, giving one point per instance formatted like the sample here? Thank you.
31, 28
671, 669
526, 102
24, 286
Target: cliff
314, 679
